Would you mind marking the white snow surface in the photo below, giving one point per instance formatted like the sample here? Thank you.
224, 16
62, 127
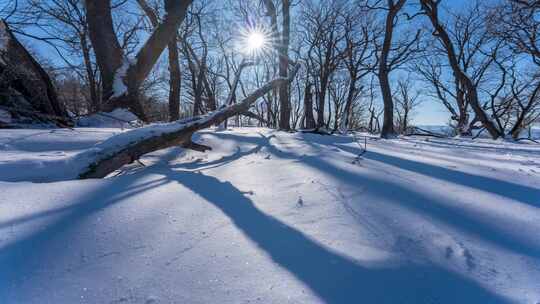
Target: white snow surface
271, 217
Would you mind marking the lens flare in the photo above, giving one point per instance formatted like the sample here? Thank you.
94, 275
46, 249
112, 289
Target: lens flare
254, 41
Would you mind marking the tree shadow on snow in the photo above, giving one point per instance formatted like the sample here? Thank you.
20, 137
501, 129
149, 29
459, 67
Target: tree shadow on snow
473, 146
520, 193
334, 278
437, 208
22, 257
197, 165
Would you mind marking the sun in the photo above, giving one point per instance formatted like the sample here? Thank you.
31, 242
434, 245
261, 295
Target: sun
254, 41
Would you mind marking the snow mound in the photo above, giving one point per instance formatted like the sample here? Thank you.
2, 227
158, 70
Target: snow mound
118, 118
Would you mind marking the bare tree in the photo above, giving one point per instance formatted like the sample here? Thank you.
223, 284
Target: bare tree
407, 100
476, 53
309, 120
430, 8
174, 65
121, 78
338, 93
197, 56
323, 33
519, 107
527, 106
360, 57
391, 55
516, 22
284, 99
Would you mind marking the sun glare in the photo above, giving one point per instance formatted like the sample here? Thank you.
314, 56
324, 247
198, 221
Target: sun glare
255, 41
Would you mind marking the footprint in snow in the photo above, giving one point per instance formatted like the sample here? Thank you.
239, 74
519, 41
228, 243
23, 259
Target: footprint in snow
463, 252
449, 252
469, 259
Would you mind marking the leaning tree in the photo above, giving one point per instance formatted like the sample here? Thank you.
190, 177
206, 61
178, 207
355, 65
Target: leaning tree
122, 77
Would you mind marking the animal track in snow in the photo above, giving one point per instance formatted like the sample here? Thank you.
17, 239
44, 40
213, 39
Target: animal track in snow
461, 252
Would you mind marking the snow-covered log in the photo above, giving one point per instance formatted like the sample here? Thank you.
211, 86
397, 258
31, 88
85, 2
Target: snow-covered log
129, 146
26, 91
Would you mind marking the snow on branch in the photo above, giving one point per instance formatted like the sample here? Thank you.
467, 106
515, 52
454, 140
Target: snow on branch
119, 87
127, 147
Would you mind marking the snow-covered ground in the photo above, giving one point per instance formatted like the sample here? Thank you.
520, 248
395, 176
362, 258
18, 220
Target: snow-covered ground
272, 217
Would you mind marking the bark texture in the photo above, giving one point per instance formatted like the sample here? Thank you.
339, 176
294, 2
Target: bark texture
283, 49
26, 90
384, 71
309, 120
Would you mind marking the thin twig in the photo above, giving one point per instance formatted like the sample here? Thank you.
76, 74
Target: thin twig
364, 149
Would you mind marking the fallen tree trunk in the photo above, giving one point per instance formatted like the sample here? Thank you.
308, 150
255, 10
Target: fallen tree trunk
129, 146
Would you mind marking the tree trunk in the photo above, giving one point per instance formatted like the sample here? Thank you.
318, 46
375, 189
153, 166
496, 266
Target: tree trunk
156, 43
106, 47
386, 92
371, 119
463, 119
283, 48
388, 113
109, 55
348, 104
321, 102
175, 81
92, 84
463, 122
211, 103
336, 118
309, 120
